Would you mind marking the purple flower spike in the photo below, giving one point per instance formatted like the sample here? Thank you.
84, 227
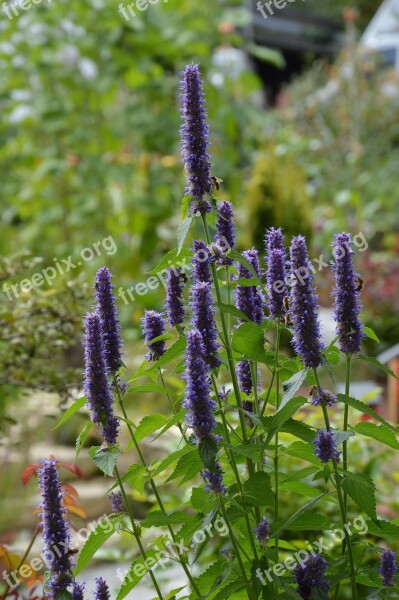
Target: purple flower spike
198, 402
248, 299
244, 377
225, 237
303, 306
116, 502
347, 296
274, 240
276, 283
77, 591
174, 297
109, 319
201, 261
102, 590
203, 319
309, 575
96, 384
56, 535
195, 139
262, 531
214, 480
153, 326
388, 568
322, 397
325, 446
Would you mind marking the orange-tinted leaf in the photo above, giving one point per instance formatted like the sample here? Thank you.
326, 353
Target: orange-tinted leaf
28, 473
70, 490
74, 469
69, 501
77, 510
10, 560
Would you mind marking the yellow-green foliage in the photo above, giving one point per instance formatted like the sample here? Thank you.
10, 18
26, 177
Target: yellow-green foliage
276, 197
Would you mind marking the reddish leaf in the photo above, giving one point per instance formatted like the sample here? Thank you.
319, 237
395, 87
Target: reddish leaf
29, 473
77, 510
73, 468
70, 490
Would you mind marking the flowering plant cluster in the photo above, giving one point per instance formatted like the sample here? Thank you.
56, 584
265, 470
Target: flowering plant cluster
241, 415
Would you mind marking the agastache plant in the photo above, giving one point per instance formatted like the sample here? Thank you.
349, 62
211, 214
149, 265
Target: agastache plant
239, 447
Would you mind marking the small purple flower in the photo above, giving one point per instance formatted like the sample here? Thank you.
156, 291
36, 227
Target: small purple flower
303, 306
195, 139
153, 326
322, 397
309, 574
262, 531
388, 568
116, 502
225, 232
203, 319
248, 406
214, 480
56, 537
274, 240
224, 394
102, 590
174, 297
109, 319
347, 296
248, 299
200, 407
325, 446
96, 385
244, 377
77, 591
201, 261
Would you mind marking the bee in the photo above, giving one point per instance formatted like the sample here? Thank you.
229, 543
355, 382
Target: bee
287, 320
216, 182
313, 390
72, 551
360, 284
183, 278
286, 303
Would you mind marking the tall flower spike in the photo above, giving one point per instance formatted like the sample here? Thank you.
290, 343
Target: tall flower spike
214, 480
195, 139
347, 296
56, 535
96, 385
325, 446
262, 531
225, 237
153, 326
198, 402
388, 568
77, 591
109, 319
303, 306
102, 590
309, 575
203, 319
274, 240
201, 261
174, 297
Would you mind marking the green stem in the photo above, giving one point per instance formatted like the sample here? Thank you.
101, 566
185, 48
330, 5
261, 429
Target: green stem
236, 549
346, 419
180, 426
152, 483
276, 456
136, 531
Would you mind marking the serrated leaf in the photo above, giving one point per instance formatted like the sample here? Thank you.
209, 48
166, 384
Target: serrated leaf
96, 539
207, 449
188, 467
135, 574
185, 205
291, 386
174, 258
308, 521
249, 340
381, 433
383, 529
299, 487
182, 230
135, 476
232, 310
172, 458
376, 363
362, 491
149, 424
105, 458
82, 437
371, 334
284, 524
303, 451
159, 519
284, 413
76, 406
363, 408
258, 490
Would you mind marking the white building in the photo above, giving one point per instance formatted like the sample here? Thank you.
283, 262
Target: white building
382, 34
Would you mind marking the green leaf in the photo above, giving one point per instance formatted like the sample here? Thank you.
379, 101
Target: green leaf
303, 451
332, 355
308, 521
82, 437
173, 352
147, 387
135, 476
170, 422
258, 490
267, 55
159, 519
249, 340
371, 334
76, 406
383, 529
293, 518
373, 361
362, 491
298, 429
172, 458
242, 260
232, 310
188, 467
340, 437
96, 539
136, 573
381, 433
284, 413
185, 205
208, 450
252, 451
182, 230
64, 595
105, 458
148, 425
202, 501
299, 487
170, 260
291, 386
364, 408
